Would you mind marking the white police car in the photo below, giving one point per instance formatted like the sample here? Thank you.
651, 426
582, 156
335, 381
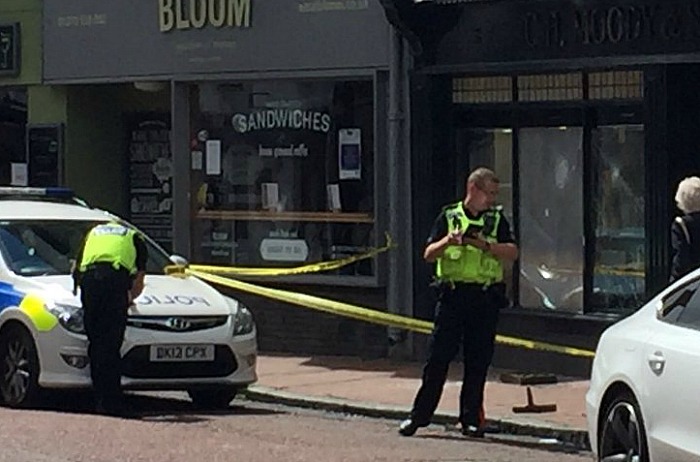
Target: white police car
182, 334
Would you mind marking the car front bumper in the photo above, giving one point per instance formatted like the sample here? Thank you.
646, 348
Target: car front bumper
234, 363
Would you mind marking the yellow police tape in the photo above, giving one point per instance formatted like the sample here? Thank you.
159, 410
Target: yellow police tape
369, 315
310, 268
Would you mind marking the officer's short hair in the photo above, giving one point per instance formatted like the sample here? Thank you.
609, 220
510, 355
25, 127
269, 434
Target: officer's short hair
688, 195
482, 175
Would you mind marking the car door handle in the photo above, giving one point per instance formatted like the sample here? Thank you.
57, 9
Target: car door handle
657, 362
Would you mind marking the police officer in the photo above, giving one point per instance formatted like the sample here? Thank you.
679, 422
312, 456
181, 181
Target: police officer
110, 271
469, 242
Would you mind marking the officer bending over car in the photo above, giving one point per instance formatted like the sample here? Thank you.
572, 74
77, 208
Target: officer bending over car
110, 270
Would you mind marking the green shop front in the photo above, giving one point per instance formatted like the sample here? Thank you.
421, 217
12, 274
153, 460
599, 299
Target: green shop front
247, 133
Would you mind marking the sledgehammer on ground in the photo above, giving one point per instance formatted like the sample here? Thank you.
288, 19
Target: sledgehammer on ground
531, 407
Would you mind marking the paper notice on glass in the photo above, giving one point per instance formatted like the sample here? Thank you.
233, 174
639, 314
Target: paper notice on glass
19, 174
270, 196
213, 157
197, 160
350, 154
333, 192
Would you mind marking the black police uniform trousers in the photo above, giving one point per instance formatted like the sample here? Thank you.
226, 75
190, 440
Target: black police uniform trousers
466, 315
104, 295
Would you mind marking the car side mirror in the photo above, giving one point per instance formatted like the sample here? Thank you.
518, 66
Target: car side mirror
179, 260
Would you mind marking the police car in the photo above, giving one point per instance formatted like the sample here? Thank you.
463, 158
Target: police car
182, 334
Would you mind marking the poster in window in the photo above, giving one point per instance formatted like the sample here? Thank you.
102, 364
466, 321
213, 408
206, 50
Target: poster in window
9, 49
151, 176
349, 154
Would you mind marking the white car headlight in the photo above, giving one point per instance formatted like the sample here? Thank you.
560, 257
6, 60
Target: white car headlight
243, 322
70, 317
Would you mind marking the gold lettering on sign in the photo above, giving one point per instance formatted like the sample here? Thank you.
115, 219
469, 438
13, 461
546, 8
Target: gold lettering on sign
217, 13
197, 14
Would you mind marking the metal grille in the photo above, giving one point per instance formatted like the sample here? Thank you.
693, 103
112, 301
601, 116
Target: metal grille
616, 85
497, 89
604, 85
550, 87
176, 323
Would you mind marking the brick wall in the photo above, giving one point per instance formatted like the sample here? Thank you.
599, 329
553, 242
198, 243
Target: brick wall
285, 328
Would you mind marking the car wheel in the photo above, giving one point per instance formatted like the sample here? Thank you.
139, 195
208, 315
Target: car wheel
622, 436
212, 398
19, 368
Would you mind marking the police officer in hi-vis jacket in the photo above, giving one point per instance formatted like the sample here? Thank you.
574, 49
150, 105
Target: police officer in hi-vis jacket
110, 270
469, 244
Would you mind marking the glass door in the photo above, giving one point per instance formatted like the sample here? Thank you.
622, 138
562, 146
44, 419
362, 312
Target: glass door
551, 218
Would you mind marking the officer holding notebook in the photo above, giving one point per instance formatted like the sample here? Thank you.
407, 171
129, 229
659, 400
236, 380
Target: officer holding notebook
469, 243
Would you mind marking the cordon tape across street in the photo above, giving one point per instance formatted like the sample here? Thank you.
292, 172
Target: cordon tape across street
341, 308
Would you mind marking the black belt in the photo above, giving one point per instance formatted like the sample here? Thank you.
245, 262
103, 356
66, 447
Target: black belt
105, 265
468, 285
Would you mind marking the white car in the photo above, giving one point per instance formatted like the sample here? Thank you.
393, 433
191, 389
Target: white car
643, 404
182, 334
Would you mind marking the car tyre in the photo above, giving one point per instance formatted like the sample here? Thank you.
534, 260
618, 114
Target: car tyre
212, 398
622, 436
19, 368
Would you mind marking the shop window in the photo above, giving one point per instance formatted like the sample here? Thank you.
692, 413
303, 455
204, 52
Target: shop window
492, 148
551, 218
13, 122
497, 89
283, 173
618, 209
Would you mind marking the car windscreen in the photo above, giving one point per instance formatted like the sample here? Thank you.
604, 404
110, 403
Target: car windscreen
47, 247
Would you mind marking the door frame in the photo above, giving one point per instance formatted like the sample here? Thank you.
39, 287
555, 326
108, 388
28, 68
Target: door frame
517, 115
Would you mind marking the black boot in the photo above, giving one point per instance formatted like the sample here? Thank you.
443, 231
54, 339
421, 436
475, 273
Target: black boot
409, 426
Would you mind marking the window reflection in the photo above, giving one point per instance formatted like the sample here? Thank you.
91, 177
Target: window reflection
618, 207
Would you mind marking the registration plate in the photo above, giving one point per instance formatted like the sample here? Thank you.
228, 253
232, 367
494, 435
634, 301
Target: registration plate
166, 353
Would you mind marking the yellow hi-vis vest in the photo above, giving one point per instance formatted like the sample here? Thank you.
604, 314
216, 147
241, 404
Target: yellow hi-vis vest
110, 243
466, 263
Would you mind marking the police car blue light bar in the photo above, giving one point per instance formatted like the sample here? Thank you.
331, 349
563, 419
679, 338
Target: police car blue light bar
36, 192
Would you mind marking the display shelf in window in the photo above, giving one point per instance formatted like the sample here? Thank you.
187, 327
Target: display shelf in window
263, 215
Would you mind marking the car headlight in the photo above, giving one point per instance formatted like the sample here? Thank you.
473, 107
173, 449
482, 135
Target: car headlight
243, 322
70, 317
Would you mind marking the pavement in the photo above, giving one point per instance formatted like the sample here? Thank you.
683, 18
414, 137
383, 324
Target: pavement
386, 388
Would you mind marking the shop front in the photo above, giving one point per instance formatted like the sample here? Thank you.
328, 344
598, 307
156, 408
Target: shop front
283, 173
269, 152
584, 112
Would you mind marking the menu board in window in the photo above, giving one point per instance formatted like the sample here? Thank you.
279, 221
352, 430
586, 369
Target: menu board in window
45, 155
151, 177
